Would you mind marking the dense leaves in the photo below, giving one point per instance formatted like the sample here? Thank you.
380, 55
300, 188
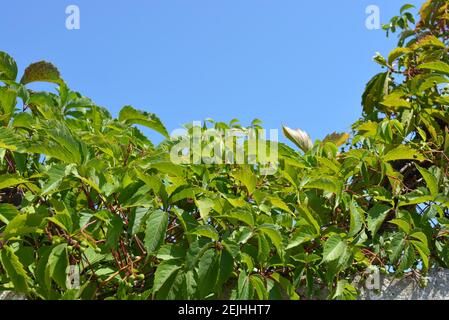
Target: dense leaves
87, 197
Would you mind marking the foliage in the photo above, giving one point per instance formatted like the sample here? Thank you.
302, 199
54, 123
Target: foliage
81, 190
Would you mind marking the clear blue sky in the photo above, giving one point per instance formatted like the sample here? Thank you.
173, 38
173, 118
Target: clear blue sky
294, 62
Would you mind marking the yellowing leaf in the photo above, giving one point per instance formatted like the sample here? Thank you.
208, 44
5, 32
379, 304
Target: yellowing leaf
396, 53
205, 205
246, 176
403, 152
337, 138
395, 100
298, 137
41, 71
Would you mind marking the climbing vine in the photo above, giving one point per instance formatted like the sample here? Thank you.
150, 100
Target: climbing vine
87, 197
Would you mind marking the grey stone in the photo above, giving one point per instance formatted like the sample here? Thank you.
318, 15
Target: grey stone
9, 295
410, 288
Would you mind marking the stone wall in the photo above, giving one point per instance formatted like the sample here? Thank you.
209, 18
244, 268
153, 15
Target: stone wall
409, 288
8, 295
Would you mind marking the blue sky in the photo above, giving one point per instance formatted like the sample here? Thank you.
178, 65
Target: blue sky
294, 62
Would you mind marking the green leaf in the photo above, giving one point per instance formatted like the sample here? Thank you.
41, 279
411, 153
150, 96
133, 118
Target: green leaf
189, 285
14, 269
195, 252
407, 259
115, 229
137, 220
438, 66
55, 176
334, 248
205, 205
274, 234
130, 115
246, 176
301, 235
279, 203
11, 141
170, 251
326, 184
396, 53
263, 248
406, 7
244, 288
58, 263
7, 104
208, 271
164, 271
345, 291
376, 88
259, 286
239, 214
430, 179
156, 229
171, 288
423, 251
396, 100
357, 218
397, 246
428, 40
305, 213
403, 152
62, 219
22, 224
8, 67
206, 231
41, 71
376, 217
8, 212
66, 142
420, 236
402, 224
11, 180
415, 197
443, 252
155, 183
